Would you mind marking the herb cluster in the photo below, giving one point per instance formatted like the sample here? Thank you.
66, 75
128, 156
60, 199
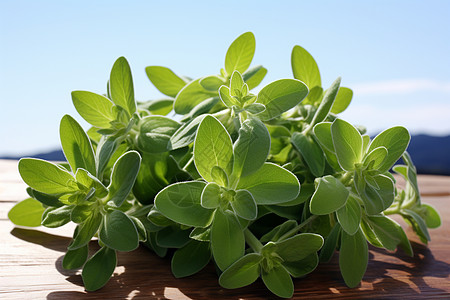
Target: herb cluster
264, 185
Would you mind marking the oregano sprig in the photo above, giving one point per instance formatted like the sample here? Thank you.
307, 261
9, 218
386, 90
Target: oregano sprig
266, 184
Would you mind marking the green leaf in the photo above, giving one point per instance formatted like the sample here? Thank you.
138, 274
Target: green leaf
200, 234
404, 242
140, 227
185, 135
75, 259
211, 196
121, 85
118, 231
191, 95
353, 257
369, 234
347, 143
310, 151
299, 246
271, 184
46, 199
277, 232
151, 243
227, 239
236, 83
306, 191
225, 96
76, 145
322, 131
411, 173
305, 67
86, 231
376, 200
330, 244
155, 133
211, 83
123, 176
165, 80
418, 224
327, 102
180, 202
349, 215
243, 272
46, 177
190, 259
251, 148
279, 282
254, 76
280, 96
366, 141
27, 212
203, 107
302, 267
98, 269
105, 150
342, 101
396, 140
240, 53
57, 217
432, 218
172, 237
244, 205
95, 109
279, 138
330, 195
159, 107
377, 155
218, 175
255, 108
212, 147
387, 231
85, 178
288, 212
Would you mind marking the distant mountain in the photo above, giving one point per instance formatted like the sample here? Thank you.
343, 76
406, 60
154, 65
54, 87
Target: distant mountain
430, 154
55, 155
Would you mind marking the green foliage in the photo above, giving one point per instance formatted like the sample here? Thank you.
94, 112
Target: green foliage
264, 185
27, 212
353, 257
330, 195
165, 80
212, 147
240, 53
280, 96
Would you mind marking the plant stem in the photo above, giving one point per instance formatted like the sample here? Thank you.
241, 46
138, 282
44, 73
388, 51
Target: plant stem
252, 241
307, 130
188, 163
293, 231
346, 177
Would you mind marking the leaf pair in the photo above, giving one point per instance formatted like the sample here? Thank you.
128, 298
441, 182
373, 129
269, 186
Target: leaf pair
350, 148
100, 111
276, 263
408, 204
305, 68
238, 58
242, 166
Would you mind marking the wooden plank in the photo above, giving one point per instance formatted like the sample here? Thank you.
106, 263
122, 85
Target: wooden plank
30, 267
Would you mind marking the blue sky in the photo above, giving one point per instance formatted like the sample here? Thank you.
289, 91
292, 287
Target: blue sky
393, 54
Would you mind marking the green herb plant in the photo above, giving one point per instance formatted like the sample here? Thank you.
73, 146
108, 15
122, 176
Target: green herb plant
266, 184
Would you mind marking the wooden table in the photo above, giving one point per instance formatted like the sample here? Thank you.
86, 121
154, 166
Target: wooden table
30, 263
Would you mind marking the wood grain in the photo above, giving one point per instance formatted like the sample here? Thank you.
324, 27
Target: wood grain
30, 263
